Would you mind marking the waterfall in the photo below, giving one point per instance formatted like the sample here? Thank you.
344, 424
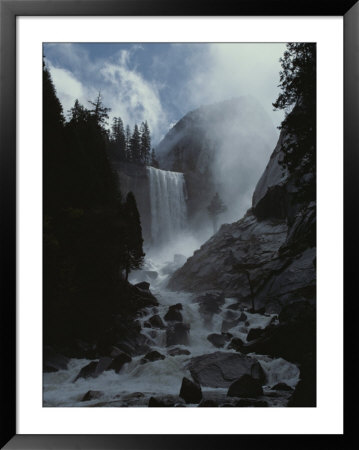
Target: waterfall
168, 204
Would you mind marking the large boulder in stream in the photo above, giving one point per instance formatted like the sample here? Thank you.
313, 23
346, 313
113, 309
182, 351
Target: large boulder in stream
190, 392
173, 314
245, 386
221, 369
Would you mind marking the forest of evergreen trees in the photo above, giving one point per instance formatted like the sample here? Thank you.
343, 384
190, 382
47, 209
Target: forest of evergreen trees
92, 237
132, 147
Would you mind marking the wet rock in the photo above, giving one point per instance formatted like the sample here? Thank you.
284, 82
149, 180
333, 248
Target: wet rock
92, 395
254, 333
177, 334
52, 361
245, 403
173, 314
243, 317
293, 339
119, 361
245, 386
144, 285
152, 356
218, 340
87, 371
221, 369
229, 324
236, 344
165, 401
114, 351
178, 351
208, 404
156, 322
190, 392
281, 387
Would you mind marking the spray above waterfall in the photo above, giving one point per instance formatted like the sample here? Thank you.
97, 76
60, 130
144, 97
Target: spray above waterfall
168, 205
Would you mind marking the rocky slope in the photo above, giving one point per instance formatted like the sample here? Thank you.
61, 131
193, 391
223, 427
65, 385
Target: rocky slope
217, 143
268, 257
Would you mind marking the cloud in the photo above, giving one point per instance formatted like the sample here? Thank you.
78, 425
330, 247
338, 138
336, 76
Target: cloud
123, 88
232, 70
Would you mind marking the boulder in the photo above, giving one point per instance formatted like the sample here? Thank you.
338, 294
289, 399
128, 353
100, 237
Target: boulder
236, 344
229, 324
190, 392
144, 286
177, 334
221, 369
52, 361
245, 386
92, 395
178, 351
156, 322
218, 340
173, 314
165, 401
254, 333
245, 403
282, 387
208, 403
119, 361
87, 371
152, 356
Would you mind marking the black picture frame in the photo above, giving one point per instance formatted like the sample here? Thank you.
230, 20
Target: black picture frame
9, 10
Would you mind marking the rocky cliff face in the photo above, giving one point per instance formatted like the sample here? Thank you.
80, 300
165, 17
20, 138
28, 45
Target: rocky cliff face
268, 257
217, 143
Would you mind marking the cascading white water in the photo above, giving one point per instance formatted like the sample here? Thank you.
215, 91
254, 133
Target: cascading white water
138, 381
168, 204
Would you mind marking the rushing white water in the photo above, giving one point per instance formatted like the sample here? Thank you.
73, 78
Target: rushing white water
168, 204
137, 382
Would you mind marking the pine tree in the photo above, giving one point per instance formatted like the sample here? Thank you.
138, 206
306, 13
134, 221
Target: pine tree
298, 85
154, 162
118, 139
134, 254
78, 113
128, 143
135, 145
145, 143
99, 111
215, 208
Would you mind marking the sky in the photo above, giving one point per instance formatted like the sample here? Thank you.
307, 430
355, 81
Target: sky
160, 83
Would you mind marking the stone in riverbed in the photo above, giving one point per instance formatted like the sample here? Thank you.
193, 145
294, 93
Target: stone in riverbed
165, 401
190, 392
118, 362
156, 322
208, 404
152, 356
221, 369
173, 314
219, 340
281, 387
92, 395
236, 344
177, 334
245, 386
178, 351
254, 333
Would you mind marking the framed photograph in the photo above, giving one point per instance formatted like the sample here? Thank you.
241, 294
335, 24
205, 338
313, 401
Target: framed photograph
172, 222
